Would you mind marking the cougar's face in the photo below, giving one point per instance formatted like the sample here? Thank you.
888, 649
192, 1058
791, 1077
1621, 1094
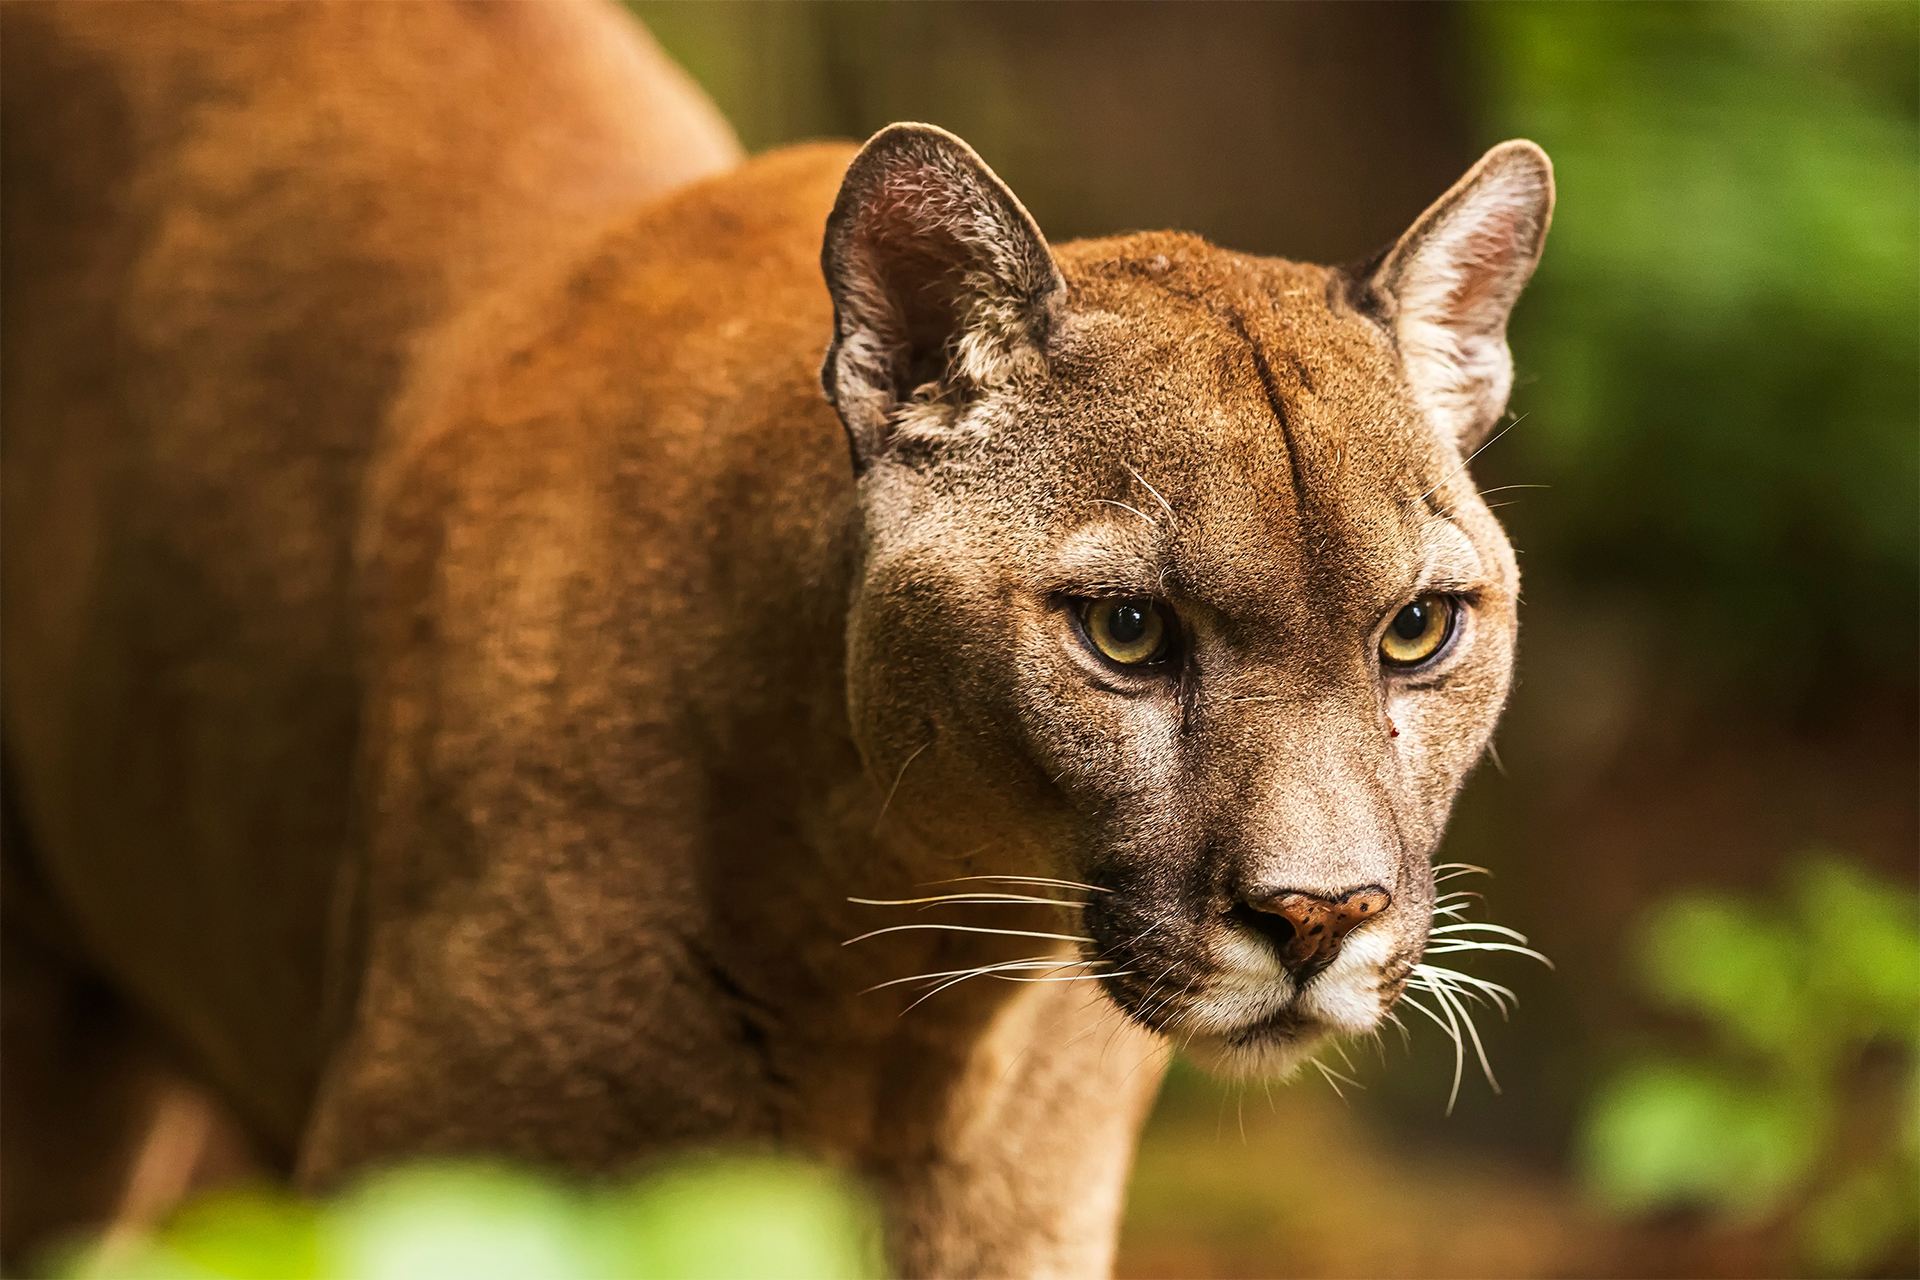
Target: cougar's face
1175, 584
1203, 613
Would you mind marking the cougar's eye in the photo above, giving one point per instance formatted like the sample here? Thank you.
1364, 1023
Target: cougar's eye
1129, 632
1418, 631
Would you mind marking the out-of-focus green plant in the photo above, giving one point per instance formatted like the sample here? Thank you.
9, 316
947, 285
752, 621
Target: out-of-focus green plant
1717, 359
734, 1217
1794, 995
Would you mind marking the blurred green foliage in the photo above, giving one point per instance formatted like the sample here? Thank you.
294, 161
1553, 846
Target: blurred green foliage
1718, 357
1795, 995
711, 1217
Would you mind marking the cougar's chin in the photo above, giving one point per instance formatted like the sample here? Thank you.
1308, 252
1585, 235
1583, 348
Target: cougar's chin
1254, 1019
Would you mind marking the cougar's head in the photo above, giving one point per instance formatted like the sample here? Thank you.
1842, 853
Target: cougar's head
1175, 582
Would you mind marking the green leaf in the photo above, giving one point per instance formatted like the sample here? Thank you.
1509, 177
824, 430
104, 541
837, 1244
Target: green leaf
1663, 1134
252, 1233
742, 1217
1865, 947
1744, 971
473, 1221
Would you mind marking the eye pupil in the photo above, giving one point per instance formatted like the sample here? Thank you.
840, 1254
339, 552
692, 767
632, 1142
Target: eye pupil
1129, 623
1411, 622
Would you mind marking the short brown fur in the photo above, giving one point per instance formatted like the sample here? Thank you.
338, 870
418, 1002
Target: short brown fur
457, 678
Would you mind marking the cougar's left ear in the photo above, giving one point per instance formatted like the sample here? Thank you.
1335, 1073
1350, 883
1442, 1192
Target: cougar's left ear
1446, 288
941, 284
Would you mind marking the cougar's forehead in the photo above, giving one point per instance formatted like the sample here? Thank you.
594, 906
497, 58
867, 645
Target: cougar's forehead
1273, 420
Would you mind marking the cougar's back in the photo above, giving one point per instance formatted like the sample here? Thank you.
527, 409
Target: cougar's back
230, 231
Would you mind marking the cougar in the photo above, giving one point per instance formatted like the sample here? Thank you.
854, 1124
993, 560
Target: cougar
517, 644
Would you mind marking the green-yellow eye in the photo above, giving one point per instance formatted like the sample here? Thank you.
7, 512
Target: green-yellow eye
1417, 631
1128, 632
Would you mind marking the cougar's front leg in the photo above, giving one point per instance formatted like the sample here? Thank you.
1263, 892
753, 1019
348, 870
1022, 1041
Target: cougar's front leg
1026, 1172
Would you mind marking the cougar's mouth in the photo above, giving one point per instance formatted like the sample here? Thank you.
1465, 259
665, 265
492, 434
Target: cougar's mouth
1241, 1012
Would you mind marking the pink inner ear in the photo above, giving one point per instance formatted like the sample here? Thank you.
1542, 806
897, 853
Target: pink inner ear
910, 230
1484, 261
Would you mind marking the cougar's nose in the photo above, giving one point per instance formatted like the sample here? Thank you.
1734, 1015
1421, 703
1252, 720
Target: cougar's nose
1307, 928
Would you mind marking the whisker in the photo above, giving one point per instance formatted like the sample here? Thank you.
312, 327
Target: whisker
1450, 1026
1453, 945
1034, 962
968, 928
1456, 869
1064, 884
966, 899
1162, 501
1124, 507
987, 970
1078, 977
1447, 995
888, 802
1330, 1075
1477, 926
1477, 990
1476, 453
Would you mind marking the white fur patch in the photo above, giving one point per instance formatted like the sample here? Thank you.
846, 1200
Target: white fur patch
1250, 989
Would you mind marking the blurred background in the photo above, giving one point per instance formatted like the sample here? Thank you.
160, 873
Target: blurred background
1705, 803
1706, 807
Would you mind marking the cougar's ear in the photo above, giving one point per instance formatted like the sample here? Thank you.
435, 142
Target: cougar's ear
1446, 288
941, 284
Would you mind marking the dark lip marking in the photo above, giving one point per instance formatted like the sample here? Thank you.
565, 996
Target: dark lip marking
1284, 1024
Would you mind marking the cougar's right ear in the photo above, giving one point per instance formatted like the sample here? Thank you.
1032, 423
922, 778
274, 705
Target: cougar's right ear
1447, 287
941, 285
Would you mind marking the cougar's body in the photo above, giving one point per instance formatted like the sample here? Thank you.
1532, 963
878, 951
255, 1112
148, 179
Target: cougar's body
461, 672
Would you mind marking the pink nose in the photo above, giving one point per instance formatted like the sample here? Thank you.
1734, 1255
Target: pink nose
1307, 929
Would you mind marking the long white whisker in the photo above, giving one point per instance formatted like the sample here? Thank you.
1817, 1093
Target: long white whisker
888, 802
1064, 884
981, 898
1454, 945
1475, 926
1493, 990
1476, 453
1124, 507
1078, 977
972, 973
967, 928
1453, 1030
1449, 995
1036, 962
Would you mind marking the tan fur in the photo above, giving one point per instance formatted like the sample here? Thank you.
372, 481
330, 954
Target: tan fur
458, 676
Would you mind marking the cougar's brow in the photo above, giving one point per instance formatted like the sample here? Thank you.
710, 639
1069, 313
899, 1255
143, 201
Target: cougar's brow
1121, 554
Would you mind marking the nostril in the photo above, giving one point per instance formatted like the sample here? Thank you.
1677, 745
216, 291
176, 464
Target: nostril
1275, 929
